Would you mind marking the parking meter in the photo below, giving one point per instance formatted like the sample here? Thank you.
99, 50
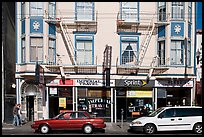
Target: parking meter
122, 113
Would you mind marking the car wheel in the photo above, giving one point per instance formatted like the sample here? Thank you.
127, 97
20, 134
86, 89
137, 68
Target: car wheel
44, 129
88, 129
197, 128
149, 129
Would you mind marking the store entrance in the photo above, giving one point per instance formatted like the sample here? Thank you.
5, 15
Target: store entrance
30, 107
121, 104
53, 106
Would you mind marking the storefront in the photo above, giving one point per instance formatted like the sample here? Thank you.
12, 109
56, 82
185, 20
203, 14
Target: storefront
131, 96
93, 97
60, 96
80, 95
171, 92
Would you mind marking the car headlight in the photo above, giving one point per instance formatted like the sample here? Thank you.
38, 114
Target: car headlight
137, 122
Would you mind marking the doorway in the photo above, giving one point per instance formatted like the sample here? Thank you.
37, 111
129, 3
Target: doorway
30, 107
121, 104
53, 106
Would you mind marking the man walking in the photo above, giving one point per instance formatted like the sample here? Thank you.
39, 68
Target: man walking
15, 115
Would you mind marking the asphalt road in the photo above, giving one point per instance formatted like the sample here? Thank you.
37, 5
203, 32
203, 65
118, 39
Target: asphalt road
110, 130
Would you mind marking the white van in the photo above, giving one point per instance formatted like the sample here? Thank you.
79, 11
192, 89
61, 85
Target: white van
170, 119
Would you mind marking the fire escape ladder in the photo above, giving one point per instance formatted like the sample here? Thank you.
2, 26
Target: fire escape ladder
152, 66
68, 42
145, 43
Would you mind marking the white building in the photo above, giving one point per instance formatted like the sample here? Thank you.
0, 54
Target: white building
153, 56
199, 67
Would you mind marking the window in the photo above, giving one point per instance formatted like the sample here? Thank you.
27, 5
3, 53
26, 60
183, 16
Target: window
188, 53
177, 53
36, 8
36, 49
23, 10
162, 11
84, 54
84, 11
51, 51
130, 11
51, 13
168, 113
23, 51
129, 53
184, 112
161, 52
189, 11
178, 10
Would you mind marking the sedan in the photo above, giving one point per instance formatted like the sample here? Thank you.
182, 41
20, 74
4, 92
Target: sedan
75, 120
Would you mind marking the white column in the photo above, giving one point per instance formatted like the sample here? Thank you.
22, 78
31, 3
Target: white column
18, 91
155, 97
115, 107
111, 105
76, 98
73, 98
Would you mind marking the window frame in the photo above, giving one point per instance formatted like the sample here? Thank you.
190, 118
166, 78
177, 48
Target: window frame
37, 46
181, 49
123, 9
162, 13
162, 52
177, 10
39, 11
84, 9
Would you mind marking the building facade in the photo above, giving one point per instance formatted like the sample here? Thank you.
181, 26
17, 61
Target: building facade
107, 61
199, 67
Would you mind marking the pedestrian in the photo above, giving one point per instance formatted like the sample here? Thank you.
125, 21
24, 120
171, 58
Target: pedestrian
15, 115
19, 114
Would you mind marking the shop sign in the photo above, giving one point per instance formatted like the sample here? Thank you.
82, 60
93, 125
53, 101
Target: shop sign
62, 102
173, 83
91, 82
133, 83
67, 82
53, 91
53, 83
58, 82
99, 103
139, 94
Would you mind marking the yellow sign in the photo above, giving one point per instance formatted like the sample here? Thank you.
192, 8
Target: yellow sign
62, 102
139, 94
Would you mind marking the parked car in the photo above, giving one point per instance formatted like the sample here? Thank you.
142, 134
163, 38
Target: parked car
170, 119
75, 120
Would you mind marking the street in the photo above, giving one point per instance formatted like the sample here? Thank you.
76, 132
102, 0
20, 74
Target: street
111, 129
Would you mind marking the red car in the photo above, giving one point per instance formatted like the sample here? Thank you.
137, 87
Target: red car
76, 120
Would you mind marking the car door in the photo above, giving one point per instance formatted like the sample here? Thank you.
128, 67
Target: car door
166, 120
183, 118
60, 122
77, 120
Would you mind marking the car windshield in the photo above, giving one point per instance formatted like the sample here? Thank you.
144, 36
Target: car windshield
154, 113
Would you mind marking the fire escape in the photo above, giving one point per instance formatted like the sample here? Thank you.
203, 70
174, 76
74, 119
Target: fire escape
150, 29
67, 26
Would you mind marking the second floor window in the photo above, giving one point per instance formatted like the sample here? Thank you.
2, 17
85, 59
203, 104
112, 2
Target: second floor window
84, 52
129, 50
36, 8
84, 11
178, 10
177, 52
161, 52
51, 51
23, 52
36, 49
129, 11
